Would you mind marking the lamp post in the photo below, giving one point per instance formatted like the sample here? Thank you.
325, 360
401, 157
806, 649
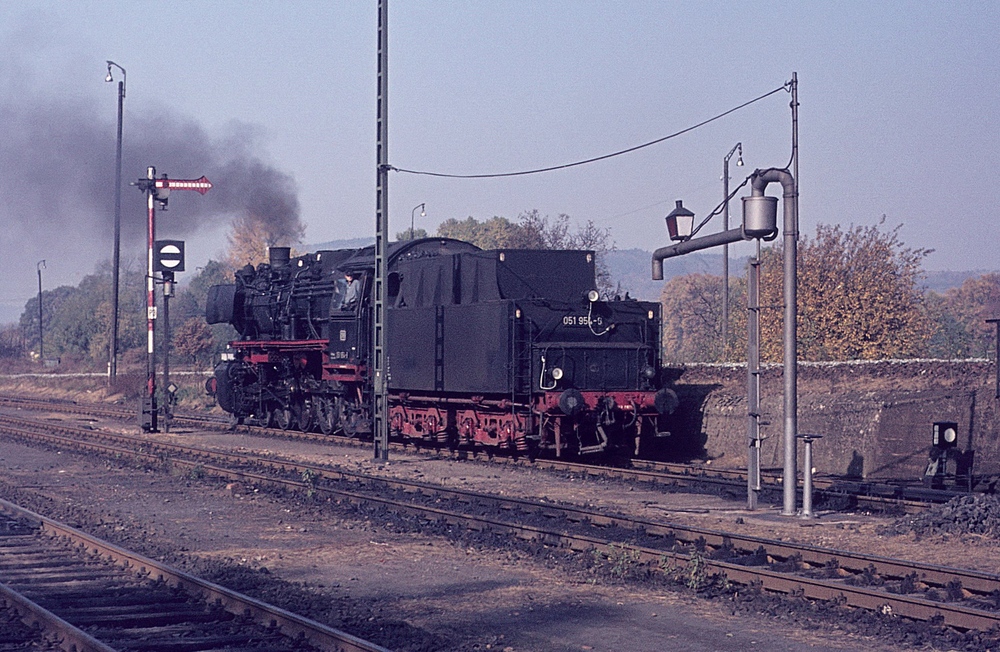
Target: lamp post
738, 147
680, 223
422, 213
116, 257
40, 265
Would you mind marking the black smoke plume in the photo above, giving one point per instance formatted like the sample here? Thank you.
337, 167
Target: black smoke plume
57, 171
57, 163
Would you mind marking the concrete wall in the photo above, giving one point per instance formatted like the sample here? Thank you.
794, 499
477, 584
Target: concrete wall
875, 417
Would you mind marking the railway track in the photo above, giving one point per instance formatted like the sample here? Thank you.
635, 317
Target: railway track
874, 496
964, 599
92, 596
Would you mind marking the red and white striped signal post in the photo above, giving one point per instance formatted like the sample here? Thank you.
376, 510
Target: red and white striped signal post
157, 191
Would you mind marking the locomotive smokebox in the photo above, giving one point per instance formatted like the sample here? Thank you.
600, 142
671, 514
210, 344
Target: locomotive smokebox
760, 217
280, 256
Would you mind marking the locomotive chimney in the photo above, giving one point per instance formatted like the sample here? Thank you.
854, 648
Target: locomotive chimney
279, 256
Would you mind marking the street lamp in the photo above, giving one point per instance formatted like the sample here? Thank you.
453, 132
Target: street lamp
115, 263
422, 213
738, 147
680, 223
40, 265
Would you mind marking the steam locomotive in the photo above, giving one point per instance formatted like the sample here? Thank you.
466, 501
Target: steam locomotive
507, 349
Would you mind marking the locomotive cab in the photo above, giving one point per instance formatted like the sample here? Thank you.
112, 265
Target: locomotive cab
348, 335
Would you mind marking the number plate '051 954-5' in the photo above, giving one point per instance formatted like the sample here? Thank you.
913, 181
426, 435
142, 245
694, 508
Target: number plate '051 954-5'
581, 320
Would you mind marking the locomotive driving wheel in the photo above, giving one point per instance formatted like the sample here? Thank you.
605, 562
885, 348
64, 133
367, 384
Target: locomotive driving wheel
263, 418
347, 423
303, 413
283, 417
326, 415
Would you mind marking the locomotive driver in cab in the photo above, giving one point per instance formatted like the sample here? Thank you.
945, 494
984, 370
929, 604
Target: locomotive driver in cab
353, 292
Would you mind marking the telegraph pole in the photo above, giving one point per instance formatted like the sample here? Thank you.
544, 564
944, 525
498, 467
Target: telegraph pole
41, 339
380, 355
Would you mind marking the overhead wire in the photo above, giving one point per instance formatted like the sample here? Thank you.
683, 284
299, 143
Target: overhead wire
783, 87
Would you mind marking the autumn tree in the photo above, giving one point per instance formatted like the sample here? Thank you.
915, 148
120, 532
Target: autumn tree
858, 296
76, 321
692, 319
495, 233
193, 341
535, 231
52, 302
415, 234
251, 236
960, 314
11, 342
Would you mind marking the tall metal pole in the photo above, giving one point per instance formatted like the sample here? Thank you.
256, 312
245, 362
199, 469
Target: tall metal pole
41, 340
116, 257
753, 380
996, 361
150, 399
412, 213
380, 355
725, 247
168, 290
791, 236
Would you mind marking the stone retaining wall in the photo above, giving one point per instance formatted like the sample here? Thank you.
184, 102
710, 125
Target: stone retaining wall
875, 417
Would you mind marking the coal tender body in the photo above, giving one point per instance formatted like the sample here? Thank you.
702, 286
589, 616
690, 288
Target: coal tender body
507, 349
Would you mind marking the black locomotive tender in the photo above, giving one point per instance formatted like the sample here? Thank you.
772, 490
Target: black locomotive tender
508, 349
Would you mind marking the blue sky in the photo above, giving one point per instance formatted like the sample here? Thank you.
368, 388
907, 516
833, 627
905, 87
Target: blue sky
898, 112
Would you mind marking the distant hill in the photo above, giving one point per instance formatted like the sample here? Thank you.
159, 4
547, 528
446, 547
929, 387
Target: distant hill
633, 269
351, 243
941, 281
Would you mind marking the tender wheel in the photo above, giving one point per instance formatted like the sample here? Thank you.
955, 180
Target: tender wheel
326, 417
283, 418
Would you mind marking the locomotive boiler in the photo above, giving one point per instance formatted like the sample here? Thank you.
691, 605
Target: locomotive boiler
506, 349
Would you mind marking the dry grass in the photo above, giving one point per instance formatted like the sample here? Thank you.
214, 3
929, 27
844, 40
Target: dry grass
86, 386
